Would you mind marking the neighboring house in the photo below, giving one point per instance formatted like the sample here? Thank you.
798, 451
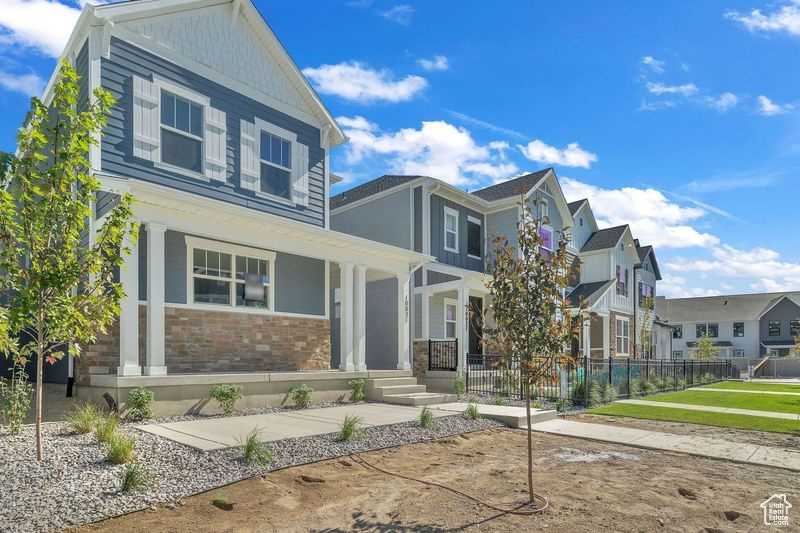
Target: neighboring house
226, 148
743, 325
456, 227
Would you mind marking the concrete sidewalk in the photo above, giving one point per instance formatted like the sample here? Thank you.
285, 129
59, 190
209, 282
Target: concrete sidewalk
709, 389
514, 417
693, 445
220, 433
713, 409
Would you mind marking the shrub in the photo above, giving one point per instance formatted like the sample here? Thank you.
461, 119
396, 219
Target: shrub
136, 478
659, 383
140, 403
563, 405
536, 405
351, 428
681, 383
610, 393
15, 399
255, 450
471, 412
595, 395
499, 400
227, 395
120, 449
648, 388
576, 393
105, 428
302, 395
634, 388
83, 418
356, 389
459, 386
426, 419
221, 501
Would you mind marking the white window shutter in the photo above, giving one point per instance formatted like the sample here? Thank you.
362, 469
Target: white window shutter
216, 145
146, 120
250, 158
300, 174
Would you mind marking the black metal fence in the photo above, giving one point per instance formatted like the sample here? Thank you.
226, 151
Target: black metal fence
608, 379
442, 355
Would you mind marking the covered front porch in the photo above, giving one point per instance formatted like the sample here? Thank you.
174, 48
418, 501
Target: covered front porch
594, 338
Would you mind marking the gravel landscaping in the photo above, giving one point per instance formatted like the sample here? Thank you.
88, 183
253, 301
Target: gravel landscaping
75, 485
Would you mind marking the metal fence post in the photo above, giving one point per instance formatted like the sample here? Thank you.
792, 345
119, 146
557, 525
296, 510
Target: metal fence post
629, 377
610, 369
691, 368
586, 381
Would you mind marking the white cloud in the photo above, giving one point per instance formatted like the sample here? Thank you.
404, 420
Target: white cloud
656, 87
784, 19
760, 264
436, 149
769, 108
355, 81
401, 14
437, 62
652, 216
723, 102
656, 65
27, 84
42, 25
571, 156
676, 287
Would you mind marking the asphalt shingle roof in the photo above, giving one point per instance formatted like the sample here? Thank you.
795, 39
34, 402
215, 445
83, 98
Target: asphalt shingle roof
514, 187
736, 307
368, 189
604, 239
588, 292
574, 206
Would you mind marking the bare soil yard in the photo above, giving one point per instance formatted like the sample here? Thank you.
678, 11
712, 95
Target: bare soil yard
591, 486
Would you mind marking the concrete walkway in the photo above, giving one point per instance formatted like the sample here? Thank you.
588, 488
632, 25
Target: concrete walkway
714, 409
220, 433
514, 417
748, 391
694, 445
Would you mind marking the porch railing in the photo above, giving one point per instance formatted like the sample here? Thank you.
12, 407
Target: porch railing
442, 354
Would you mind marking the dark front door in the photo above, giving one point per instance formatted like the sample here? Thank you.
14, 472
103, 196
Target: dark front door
475, 325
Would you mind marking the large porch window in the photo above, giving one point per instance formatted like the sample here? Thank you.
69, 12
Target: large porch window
623, 336
450, 314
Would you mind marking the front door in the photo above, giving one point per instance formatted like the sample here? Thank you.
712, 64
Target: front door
475, 345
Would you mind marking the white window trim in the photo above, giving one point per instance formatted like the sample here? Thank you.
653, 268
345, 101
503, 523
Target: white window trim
627, 344
234, 250
477, 221
452, 212
738, 350
454, 303
263, 125
543, 208
195, 97
549, 228
679, 352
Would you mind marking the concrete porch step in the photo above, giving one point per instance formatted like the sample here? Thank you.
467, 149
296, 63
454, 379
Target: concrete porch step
390, 382
419, 399
512, 416
382, 391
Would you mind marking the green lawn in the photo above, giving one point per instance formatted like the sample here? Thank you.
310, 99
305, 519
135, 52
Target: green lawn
759, 402
756, 423
747, 385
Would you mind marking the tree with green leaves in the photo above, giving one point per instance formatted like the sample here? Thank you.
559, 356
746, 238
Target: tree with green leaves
796, 348
707, 348
530, 321
59, 279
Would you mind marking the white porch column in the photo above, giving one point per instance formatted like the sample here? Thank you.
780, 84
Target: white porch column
462, 325
129, 315
155, 365
346, 317
360, 318
425, 312
403, 323
606, 338
587, 337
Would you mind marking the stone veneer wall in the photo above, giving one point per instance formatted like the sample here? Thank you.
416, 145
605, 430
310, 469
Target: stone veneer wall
613, 333
198, 341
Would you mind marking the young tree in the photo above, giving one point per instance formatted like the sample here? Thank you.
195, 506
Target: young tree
531, 322
796, 349
61, 291
707, 348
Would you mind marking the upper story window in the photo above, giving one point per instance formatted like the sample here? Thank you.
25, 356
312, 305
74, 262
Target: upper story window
646, 293
738, 329
543, 209
276, 165
546, 234
774, 328
710, 329
622, 281
450, 229
474, 241
581, 221
677, 333
794, 327
177, 129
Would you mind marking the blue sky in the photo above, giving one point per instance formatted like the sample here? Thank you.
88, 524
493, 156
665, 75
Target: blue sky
680, 119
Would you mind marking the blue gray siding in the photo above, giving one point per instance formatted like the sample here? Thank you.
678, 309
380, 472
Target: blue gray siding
82, 67
117, 148
503, 223
784, 312
418, 219
460, 259
386, 219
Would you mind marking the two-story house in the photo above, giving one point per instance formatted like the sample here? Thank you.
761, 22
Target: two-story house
225, 147
431, 217
742, 325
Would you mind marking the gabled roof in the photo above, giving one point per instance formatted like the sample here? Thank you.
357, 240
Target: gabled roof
574, 206
726, 308
604, 239
644, 252
513, 187
370, 188
588, 293
779, 299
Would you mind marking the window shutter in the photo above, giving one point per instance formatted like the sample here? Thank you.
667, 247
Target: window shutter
300, 174
216, 145
250, 159
146, 120
619, 286
626, 282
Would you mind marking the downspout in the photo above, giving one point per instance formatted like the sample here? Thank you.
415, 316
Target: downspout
635, 305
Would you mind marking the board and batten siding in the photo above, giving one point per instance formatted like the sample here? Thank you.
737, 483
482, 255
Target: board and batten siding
580, 233
503, 223
784, 311
386, 219
460, 259
620, 302
117, 73
299, 281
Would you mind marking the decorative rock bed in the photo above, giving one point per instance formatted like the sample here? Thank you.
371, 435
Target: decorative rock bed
75, 485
